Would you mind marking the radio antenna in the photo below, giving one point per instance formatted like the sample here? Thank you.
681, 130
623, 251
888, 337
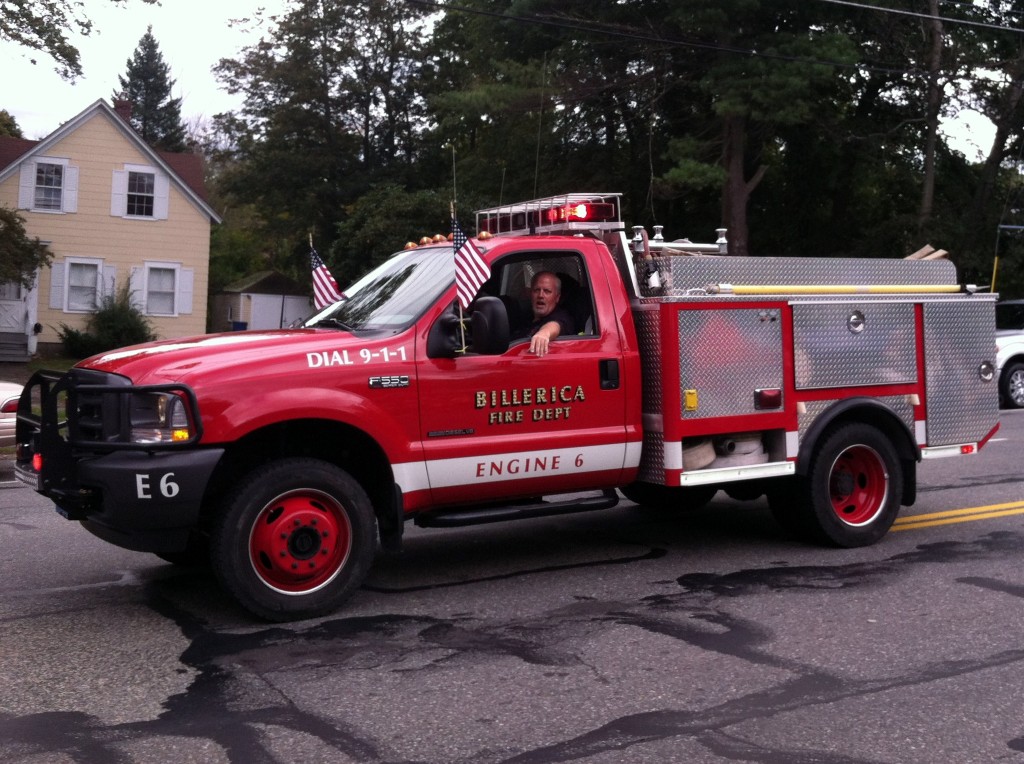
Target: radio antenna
455, 193
540, 121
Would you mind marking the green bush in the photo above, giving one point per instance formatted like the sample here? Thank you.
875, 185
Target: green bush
114, 324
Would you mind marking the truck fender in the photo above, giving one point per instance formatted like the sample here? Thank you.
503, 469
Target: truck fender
869, 411
251, 414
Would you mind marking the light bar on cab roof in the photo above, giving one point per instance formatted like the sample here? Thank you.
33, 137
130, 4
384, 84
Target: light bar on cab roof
552, 214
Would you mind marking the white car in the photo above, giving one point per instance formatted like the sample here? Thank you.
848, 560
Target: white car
10, 392
1010, 352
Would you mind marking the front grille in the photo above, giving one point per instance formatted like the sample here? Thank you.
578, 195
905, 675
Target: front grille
88, 416
90, 411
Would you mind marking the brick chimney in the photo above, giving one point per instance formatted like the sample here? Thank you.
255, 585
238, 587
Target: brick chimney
123, 107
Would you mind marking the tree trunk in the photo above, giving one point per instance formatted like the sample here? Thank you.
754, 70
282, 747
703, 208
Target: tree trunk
737, 191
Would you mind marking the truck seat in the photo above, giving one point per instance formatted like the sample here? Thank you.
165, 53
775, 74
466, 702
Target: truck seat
576, 300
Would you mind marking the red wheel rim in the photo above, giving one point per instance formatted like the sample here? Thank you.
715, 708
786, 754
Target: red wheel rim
858, 485
300, 541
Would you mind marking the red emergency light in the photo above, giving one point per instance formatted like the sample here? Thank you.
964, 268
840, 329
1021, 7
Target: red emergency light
581, 213
553, 214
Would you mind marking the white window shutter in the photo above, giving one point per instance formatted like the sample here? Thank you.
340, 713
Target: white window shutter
57, 284
186, 278
27, 186
161, 196
109, 282
70, 189
119, 194
137, 287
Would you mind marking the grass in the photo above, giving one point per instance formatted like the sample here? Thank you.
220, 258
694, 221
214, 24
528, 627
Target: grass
57, 364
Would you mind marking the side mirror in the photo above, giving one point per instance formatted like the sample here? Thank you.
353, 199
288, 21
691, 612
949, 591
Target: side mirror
490, 326
443, 341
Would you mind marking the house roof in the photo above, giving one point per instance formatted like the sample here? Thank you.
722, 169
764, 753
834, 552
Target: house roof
185, 170
12, 149
267, 282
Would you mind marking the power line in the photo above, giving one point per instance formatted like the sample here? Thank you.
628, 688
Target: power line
638, 36
930, 17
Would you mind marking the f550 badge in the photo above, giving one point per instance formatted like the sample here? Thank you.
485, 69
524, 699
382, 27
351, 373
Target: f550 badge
388, 382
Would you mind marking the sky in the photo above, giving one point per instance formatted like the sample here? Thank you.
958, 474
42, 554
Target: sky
193, 35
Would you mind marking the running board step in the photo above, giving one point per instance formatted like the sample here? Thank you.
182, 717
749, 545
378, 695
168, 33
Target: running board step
453, 518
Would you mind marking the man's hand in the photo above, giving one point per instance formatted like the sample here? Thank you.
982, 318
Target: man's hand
541, 341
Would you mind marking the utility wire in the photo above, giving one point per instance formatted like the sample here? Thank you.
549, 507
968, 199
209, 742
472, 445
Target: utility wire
930, 17
673, 42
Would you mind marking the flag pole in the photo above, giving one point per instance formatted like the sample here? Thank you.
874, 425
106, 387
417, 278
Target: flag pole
462, 321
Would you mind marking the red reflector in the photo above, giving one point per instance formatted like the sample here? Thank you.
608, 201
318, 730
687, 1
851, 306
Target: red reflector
770, 398
967, 449
37, 462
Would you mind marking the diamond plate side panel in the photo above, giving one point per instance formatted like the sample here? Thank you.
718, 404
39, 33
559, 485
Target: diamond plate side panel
682, 273
898, 404
725, 355
958, 338
652, 458
647, 323
828, 354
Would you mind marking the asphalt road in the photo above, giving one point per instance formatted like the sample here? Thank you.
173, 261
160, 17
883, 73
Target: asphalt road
616, 636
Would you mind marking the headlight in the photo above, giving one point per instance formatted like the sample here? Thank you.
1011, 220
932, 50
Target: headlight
159, 418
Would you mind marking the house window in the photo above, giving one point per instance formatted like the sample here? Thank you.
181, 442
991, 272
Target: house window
161, 288
83, 280
49, 186
141, 191
10, 290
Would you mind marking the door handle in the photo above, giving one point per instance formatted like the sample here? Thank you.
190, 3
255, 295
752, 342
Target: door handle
609, 373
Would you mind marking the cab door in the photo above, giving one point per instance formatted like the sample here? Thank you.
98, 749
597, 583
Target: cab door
515, 424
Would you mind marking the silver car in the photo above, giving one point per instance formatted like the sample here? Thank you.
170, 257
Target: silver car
9, 394
1010, 352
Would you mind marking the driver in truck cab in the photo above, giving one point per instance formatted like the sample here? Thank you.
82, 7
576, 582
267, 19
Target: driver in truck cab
549, 318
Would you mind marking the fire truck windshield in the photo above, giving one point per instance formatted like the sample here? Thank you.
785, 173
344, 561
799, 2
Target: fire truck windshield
393, 295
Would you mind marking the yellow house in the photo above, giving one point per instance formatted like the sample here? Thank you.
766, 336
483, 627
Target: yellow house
112, 210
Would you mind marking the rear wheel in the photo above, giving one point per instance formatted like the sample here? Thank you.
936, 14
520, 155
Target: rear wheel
667, 497
853, 487
295, 541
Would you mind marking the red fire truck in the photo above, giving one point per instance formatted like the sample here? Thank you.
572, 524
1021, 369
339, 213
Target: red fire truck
287, 455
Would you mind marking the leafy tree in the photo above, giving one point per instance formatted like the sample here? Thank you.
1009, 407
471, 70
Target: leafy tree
147, 84
380, 222
43, 26
330, 107
20, 255
9, 125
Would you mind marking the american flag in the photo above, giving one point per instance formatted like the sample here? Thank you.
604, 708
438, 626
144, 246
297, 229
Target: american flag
325, 288
471, 270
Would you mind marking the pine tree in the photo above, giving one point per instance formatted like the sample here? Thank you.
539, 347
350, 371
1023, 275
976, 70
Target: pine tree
147, 87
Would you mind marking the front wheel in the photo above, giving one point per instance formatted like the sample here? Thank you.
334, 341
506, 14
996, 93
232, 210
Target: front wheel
295, 541
1012, 386
854, 486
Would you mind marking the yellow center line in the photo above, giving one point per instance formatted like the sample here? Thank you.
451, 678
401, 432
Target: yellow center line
959, 516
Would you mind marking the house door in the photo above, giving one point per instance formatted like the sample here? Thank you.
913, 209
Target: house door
12, 308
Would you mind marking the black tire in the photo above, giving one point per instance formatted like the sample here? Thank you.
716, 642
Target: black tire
1011, 386
853, 487
669, 498
295, 541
